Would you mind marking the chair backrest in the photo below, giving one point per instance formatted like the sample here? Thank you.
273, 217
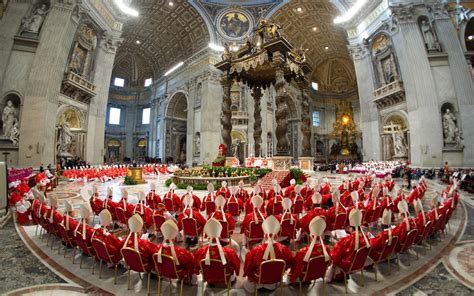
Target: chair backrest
287, 229
277, 208
426, 231
64, 236
121, 215
225, 233
376, 214
409, 240
167, 267
190, 227
83, 245
255, 231
215, 272
210, 207
358, 261
388, 249
315, 268
233, 208
271, 271
298, 206
168, 204
339, 221
158, 219
101, 250
133, 259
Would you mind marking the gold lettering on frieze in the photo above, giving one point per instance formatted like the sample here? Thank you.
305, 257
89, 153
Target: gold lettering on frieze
104, 12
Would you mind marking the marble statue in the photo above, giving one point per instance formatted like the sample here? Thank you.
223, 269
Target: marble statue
33, 23
388, 72
15, 133
65, 139
429, 35
77, 61
9, 118
449, 127
458, 139
399, 146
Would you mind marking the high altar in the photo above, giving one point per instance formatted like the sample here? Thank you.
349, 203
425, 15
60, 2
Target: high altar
268, 59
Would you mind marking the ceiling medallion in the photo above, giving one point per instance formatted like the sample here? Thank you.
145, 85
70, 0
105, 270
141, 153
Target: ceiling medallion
234, 24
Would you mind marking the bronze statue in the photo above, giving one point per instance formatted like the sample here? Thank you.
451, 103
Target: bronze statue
298, 55
227, 55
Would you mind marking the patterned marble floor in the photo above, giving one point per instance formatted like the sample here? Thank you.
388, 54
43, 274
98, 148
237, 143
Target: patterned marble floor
22, 273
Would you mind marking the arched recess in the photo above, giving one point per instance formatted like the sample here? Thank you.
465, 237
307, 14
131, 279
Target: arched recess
176, 127
395, 120
239, 144
10, 108
114, 147
140, 149
74, 121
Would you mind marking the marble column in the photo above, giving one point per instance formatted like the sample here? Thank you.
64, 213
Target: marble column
226, 116
37, 130
98, 107
282, 111
305, 118
257, 115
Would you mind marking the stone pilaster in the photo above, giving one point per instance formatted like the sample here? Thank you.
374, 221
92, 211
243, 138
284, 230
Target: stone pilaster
98, 107
369, 116
37, 131
426, 135
461, 77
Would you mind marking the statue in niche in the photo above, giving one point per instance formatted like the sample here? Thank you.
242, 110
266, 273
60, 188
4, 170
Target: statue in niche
399, 146
449, 126
65, 138
33, 23
429, 36
77, 61
9, 118
388, 70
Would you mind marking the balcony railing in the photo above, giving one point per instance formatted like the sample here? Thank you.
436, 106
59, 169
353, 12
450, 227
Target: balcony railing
77, 87
390, 94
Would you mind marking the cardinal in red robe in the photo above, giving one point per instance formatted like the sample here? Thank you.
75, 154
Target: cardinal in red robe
227, 256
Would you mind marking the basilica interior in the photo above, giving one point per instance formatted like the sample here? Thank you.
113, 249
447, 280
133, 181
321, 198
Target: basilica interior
131, 95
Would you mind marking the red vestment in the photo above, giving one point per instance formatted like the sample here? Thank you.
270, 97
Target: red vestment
255, 256
233, 261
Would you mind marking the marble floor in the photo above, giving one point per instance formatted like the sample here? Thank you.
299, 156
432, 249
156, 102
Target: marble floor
29, 267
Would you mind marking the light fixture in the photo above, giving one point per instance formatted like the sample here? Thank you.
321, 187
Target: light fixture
345, 119
170, 3
126, 9
326, 47
470, 38
314, 85
216, 47
350, 13
315, 29
137, 42
299, 9
174, 68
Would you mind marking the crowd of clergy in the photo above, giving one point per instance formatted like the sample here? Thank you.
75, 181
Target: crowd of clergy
339, 229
